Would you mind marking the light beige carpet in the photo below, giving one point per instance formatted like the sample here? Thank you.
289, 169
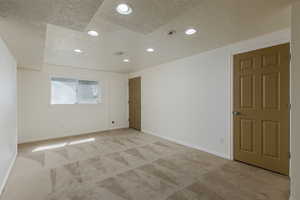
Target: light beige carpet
129, 165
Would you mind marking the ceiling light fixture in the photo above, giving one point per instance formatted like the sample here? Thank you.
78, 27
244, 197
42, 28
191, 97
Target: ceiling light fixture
124, 9
93, 33
190, 31
126, 60
150, 50
77, 50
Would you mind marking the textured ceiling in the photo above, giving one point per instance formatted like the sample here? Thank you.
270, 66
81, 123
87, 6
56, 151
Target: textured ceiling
73, 14
49, 31
148, 15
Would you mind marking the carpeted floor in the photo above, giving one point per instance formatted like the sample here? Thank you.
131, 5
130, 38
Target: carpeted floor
129, 165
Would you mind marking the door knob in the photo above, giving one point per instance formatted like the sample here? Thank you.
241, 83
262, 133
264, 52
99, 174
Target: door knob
236, 113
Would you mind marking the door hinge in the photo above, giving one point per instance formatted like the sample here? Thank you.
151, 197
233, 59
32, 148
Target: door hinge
289, 155
290, 57
290, 106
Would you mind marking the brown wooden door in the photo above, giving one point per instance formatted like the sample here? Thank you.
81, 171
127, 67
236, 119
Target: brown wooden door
261, 108
135, 103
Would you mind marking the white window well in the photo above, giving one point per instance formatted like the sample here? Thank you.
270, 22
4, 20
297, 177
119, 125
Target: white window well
74, 91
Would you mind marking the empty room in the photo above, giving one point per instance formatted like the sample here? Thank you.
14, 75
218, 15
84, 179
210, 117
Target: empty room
149, 99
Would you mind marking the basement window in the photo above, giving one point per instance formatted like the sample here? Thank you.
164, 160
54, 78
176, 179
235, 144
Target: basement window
74, 91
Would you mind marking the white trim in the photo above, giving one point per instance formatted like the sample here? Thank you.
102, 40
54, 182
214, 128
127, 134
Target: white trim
115, 128
41, 66
2, 186
188, 145
70, 134
292, 198
231, 84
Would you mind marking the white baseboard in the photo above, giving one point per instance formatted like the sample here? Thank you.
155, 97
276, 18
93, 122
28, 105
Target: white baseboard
188, 145
2, 186
117, 128
70, 134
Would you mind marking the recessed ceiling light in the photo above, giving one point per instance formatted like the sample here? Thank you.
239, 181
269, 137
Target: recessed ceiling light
190, 31
124, 9
126, 60
78, 50
93, 33
150, 50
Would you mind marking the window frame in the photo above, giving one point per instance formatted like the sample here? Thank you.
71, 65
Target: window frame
99, 89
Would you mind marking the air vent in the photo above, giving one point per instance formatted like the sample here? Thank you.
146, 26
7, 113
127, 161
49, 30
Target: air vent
119, 53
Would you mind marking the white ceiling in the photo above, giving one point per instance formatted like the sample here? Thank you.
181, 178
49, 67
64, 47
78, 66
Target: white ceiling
40, 32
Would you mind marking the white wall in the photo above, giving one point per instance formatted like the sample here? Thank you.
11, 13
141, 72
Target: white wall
8, 113
38, 120
295, 126
32, 34
189, 100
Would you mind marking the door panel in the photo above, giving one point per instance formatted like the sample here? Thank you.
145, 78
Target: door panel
271, 91
271, 139
247, 91
247, 135
135, 103
261, 108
